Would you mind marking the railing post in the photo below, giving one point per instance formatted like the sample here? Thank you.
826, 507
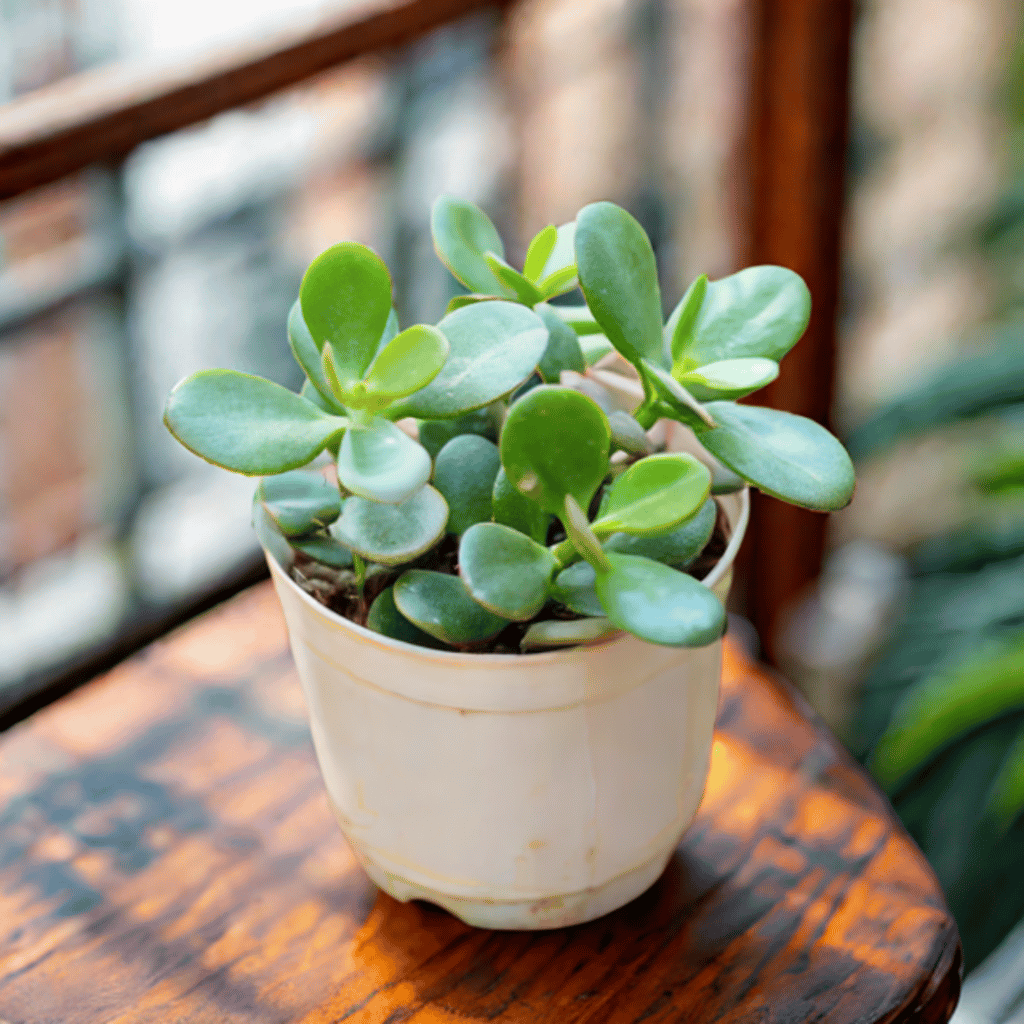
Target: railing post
800, 58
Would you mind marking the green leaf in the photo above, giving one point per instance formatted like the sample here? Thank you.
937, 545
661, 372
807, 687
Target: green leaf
580, 319
464, 472
677, 548
1005, 802
659, 604
435, 434
559, 273
463, 233
566, 633
300, 502
408, 362
505, 571
655, 494
525, 291
269, 535
761, 311
628, 435
787, 456
307, 355
583, 539
730, 378
512, 508
537, 254
948, 704
494, 347
385, 618
326, 549
555, 443
381, 462
677, 402
392, 534
558, 283
619, 278
248, 424
441, 606
458, 301
575, 588
563, 351
595, 347
682, 324
389, 333
345, 299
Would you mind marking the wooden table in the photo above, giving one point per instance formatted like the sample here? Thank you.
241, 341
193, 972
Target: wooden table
167, 854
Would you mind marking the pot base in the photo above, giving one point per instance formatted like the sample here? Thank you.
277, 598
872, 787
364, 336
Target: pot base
558, 911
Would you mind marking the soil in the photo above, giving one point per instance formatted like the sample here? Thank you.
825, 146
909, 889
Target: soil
337, 589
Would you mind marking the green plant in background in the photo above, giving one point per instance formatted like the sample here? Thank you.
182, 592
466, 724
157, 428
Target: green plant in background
551, 528
940, 721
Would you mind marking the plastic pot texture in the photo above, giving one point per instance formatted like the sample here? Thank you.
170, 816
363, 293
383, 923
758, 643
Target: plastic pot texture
517, 791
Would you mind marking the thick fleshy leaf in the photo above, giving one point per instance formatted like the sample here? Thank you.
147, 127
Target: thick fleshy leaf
324, 548
595, 347
390, 332
575, 588
584, 541
760, 311
462, 234
385, 618
270, 536
580, 319
628, 434
677, 402
441, 606
654, 495
464, 472
435, 434
559, 273
659, 604
563, 351
392, 534
381, 462
248, 424
505, 571
555, 443
558, 283
525, 291
513, 508
408, 362
307, 355
345, 298
458, 301
566, 633
619, 278
678, 547
541, 247
787, 456
300, 502
494, 347
730, 378
682, 324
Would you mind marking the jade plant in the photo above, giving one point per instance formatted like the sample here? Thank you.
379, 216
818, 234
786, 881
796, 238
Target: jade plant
485, 483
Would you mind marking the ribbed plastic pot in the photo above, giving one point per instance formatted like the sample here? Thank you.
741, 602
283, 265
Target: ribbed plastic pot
516, 791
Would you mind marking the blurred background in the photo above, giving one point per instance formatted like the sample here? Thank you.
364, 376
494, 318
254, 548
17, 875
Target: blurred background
901, 618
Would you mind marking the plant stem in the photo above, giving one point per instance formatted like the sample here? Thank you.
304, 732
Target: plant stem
360, 568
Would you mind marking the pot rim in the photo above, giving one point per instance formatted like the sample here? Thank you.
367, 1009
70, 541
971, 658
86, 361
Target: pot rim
723, 566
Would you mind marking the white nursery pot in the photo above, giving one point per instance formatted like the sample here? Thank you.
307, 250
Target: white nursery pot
516, 791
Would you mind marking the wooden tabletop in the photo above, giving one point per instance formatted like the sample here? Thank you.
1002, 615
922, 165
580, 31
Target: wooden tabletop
167, 854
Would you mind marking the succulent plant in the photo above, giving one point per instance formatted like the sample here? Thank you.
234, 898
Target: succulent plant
566, 519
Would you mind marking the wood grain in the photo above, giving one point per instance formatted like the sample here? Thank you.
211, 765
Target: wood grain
799, 104
103, 114
167, 854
